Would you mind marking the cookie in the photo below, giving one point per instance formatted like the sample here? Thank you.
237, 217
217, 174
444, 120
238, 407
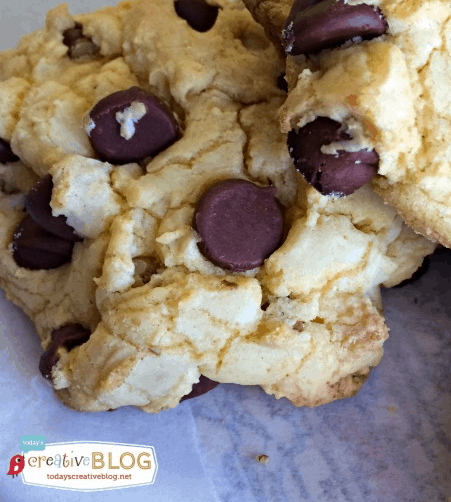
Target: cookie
377, 69
155, 229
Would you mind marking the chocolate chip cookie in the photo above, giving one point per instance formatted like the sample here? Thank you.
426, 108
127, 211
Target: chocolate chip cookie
155, 229
368, 80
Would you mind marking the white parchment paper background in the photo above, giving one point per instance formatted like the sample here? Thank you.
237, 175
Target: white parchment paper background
390, 443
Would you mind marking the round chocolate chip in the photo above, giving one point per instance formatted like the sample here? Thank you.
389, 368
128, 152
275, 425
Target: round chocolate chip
68, 336
6, 154
128, 126
202, 387
79, 45
314, 25
240, 224
37, 203
197, 13
331, 174
36, 249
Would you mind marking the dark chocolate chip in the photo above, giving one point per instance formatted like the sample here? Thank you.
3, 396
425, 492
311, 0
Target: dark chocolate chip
36, 249
282, 83
331, 174
314, 25
240, 224
37, 204
153, 132
202, 387
68, 336
79, 45
197, 13
6, 154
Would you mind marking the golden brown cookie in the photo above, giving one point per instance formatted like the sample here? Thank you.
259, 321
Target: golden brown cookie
378, 69
135, 294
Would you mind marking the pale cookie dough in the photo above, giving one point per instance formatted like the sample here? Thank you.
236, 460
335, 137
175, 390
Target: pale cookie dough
393, 93
306, 325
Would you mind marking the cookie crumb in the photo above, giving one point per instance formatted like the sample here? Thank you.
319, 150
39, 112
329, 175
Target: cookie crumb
129, 117
298, 326
262, 459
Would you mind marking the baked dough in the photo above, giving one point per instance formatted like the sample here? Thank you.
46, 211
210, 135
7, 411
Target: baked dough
306, 325
392, 92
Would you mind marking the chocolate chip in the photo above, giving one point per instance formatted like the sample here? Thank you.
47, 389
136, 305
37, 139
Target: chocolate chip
37, 203
36, 249
79, 45
202, 387
240, 224
197, 13
42, 241
128, 126
331, 174
282, 83
68, 336
314, 25
6, 154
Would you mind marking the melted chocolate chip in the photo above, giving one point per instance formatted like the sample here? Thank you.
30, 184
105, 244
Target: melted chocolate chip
202, 387
36, 249
282, 83
68, 336
6, 154
240, 224
331, 174
314, 25
79, 45
147, 123
197, 13
37, 204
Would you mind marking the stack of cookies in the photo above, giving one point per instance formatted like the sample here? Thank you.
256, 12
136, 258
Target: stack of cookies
172, 218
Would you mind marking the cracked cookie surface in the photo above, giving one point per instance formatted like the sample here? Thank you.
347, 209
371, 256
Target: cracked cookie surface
307, 324
392, 92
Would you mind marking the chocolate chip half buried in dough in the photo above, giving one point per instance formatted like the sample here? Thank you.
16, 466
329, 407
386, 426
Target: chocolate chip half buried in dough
79, 45
37, 204
148, 132
314, 25
330, 174
203, 386
6, 154
36, 249
197, 13
68, 336
240, 224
